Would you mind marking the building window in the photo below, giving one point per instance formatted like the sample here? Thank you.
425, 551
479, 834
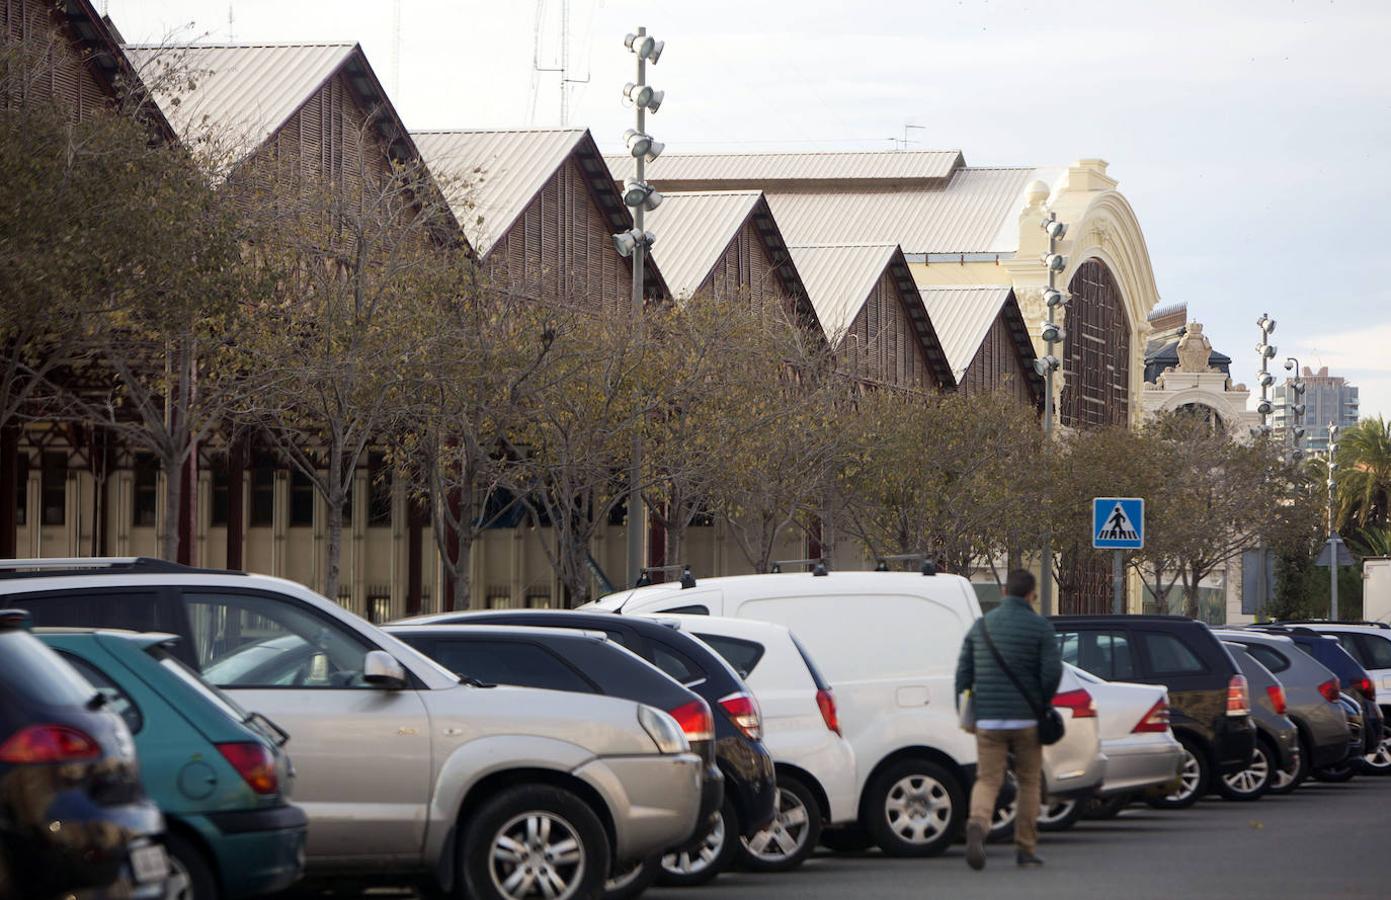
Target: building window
218, 501
21, 489
144, 507
263, 494
378, 490
54, 488
301, 499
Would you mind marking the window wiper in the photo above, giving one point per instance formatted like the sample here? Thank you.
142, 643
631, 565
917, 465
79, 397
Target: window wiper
475, 682
97, 701
270, 729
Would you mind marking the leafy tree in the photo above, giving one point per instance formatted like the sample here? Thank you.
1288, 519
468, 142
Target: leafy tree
1364, 474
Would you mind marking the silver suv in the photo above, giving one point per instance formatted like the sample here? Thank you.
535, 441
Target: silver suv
493, 792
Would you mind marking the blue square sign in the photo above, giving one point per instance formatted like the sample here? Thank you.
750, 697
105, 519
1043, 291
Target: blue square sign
1118, 523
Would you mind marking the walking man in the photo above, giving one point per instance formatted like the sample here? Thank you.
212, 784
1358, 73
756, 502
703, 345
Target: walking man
1005, 719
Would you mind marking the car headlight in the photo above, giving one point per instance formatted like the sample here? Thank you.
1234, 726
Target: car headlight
663, 730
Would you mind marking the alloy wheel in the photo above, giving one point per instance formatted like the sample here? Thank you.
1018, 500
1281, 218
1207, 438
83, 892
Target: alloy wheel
691, 862
180, 884
1380, 758
918, 808
1253, 778
786, 835
1055, 811
537, 854
1189, 776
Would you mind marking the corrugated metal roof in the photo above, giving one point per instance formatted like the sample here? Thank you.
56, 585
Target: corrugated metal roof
839, 279
896, 166
692, 231
962, 316
242, 92
491, 176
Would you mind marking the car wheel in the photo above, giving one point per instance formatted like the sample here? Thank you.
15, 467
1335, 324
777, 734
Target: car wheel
1104, 808
1337, 774
1286, 781
631, 880
535, 841
1059, 815
1194, 778
846, 839
699, 864
915, 808
1252, 782
190, 875
791, 838
1378, 762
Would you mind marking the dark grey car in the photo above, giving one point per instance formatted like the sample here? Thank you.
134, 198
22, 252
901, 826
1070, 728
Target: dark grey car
1277, 738
1311, 702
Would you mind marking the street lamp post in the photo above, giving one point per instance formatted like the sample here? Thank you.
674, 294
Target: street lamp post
1264, 408
1332, 524
1294, 409
1052, 333
639, 195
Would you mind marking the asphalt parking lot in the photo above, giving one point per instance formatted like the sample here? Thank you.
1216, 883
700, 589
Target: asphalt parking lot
1322, 841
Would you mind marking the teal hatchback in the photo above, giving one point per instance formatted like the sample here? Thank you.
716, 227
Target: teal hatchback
219, 774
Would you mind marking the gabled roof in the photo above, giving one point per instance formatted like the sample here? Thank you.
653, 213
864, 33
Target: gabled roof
242, 93
964, 314
928, 202
839, 280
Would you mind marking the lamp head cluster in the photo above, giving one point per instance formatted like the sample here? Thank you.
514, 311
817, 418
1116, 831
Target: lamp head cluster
625, 242
644, 47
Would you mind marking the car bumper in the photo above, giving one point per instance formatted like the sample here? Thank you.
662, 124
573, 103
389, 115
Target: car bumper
90, 847
1141, 761
750, 781
654, 800
259, 851
1286, 742
1078, 782
1234, 745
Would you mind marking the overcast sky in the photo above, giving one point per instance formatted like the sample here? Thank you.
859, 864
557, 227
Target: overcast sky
1251, 137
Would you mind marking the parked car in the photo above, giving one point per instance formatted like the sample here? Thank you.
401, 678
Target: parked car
1370, 644
887, 643
750, 780
1311, 702
580, 782
1354, 679
1277, 738
801, 728
1209, 701
73, 815
583, 662
219, 774
1142, 754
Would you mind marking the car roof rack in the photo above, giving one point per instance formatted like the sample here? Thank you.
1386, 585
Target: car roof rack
1384, 625
818, 564
928, 567
645, 575
45, 567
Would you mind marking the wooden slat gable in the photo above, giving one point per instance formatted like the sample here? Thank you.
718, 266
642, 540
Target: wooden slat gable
882, 343
1004, 360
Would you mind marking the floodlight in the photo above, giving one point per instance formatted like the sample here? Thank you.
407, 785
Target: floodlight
1299, 388
1045, 364
1266, 350
642, 145
640, 193
1267, 379
1297, 409
1296, 454
644, 46
644, 95
1266, 323
1054, 297
1298, 432
1052, 332
1264, 407
625, 242
1056, 262
1055, 229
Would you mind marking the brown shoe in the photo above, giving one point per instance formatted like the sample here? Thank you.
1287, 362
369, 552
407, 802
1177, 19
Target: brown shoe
1027, 860
975, 845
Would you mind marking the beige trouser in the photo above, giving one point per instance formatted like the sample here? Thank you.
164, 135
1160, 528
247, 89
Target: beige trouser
994, 747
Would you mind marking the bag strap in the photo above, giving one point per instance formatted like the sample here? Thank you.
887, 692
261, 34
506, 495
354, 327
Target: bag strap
1000, 661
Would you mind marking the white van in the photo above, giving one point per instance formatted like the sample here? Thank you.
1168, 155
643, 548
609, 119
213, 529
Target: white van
888, 644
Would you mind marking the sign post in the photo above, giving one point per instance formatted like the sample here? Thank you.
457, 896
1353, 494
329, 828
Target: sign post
1118, 523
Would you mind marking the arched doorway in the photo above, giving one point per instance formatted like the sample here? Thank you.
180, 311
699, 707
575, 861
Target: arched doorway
1096, 394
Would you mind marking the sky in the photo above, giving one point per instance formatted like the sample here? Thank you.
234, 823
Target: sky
1250, 136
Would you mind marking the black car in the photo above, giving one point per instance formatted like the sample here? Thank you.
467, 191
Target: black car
1209, 699
750, 786
584, 662
1355, 682
73, 814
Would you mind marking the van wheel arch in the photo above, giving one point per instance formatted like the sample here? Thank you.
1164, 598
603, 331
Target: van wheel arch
928, 754
811, 783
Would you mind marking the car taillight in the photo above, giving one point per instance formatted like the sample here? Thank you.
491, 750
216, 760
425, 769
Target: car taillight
254, 763
743, 711
1079, 701
1238, 697
1277, 697
39, 744
1331, 690
1368, 689
826, 702
695, 720
1156, 720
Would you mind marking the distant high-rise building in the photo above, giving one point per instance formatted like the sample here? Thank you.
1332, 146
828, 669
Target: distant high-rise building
1327, 398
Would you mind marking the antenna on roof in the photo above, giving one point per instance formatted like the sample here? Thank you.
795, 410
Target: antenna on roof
564, 65
396, 46
231, 31
902, 143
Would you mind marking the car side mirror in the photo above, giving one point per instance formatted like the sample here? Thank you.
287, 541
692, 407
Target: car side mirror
380, 669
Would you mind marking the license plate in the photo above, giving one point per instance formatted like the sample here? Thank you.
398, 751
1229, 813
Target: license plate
149, 863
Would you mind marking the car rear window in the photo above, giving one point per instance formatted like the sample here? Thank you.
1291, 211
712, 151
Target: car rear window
1106, 654
1376, 651
742, 655
509, 662
39, 675
1269, 657
1170, 656
188, 676
117, 700
1335, 658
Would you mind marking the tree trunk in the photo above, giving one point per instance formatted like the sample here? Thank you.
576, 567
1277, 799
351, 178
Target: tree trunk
173, 470
460, 586
335, 544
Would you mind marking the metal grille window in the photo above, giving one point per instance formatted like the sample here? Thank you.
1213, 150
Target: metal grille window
144, 508
54, 488
378, 490
263, 495
21, 489
1096, 357
218, 500
301, 499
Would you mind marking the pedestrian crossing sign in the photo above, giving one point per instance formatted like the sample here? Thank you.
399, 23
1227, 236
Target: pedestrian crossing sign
1118, 523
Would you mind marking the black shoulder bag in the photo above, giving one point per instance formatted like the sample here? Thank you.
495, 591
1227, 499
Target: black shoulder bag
1050, 721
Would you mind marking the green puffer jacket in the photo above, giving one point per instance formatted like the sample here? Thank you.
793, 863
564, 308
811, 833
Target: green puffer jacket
1028, 644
